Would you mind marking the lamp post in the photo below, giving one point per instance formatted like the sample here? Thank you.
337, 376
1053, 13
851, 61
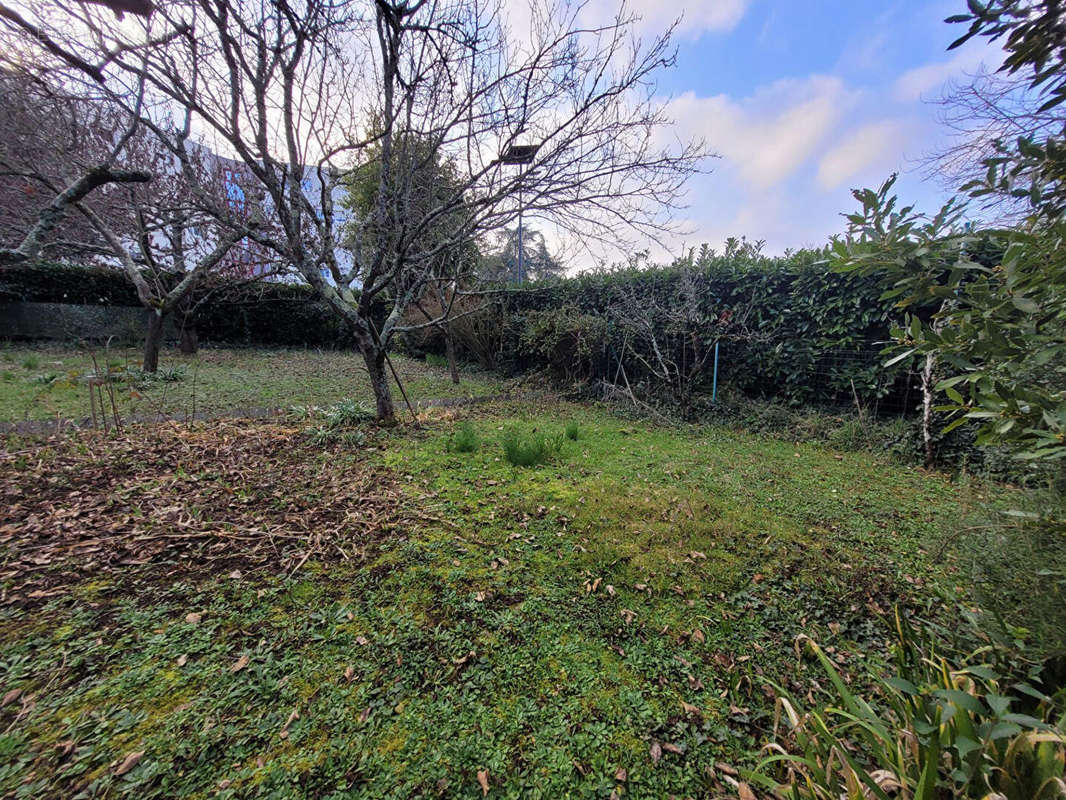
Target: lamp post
519, 154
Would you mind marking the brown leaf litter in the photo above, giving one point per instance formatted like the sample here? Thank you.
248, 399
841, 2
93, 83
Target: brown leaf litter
207, 498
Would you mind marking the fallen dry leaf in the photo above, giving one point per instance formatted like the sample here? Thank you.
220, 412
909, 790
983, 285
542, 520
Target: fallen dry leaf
349, 673
363, 717
744, 792
673, 748
360, 639
656, 752
688, 708
182, 660
194, 617
480, 597
697, 635
129, 762
65, 748
621, 775
610, 589
295, 715
628, 615
483, 781
241, 663
10, 697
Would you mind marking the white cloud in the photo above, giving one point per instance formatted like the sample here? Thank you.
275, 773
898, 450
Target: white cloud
694, 17
866, 147
919, 82
697, 16
769, 135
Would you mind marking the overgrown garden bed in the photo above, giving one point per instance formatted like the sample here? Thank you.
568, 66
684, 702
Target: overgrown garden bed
444, 623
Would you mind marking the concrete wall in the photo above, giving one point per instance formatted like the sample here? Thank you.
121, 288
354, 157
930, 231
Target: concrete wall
66, 321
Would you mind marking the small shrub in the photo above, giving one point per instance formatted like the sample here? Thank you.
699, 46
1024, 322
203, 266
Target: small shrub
144, 380
434, 360
338, 422
169, 374
347, 413
571, 431
30, 362
568, 341
528, 451
464, 440
323, 435
303, 413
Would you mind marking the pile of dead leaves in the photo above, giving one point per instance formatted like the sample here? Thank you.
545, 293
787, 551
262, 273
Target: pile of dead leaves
225, 495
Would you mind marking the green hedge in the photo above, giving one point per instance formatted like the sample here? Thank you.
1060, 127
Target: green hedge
258, 313
817, 333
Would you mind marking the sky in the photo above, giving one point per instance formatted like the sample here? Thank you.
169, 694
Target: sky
804, 100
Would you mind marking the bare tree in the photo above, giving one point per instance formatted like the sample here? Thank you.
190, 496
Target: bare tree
305, 95
985, 114
55, 151
672, 337
183, 233
31, 49
168, 235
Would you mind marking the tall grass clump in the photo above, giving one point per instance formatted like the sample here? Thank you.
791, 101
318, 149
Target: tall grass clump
339, 423
980, 725
464, 440
572, 431
347, 413
529, 450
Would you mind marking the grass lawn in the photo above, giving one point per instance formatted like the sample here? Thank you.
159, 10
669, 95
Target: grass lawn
230, 610
49, 381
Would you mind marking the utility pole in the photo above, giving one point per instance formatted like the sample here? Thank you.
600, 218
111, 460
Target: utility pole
519, 154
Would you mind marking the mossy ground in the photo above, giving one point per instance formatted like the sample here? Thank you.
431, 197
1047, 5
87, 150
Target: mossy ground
552, 627
43, 382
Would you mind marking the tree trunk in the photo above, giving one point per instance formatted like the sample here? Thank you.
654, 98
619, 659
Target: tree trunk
374, 357
449, 350
153, 340
189, 342
927, 410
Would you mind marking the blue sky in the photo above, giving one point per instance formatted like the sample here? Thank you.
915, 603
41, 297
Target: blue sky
803, 100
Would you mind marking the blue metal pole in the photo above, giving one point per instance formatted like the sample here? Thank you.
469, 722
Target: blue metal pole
714, 386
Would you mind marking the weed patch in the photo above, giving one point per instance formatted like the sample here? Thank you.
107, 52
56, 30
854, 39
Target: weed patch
529, 449
464, 440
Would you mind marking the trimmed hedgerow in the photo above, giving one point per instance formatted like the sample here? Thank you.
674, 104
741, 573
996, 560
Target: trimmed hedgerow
254, 313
